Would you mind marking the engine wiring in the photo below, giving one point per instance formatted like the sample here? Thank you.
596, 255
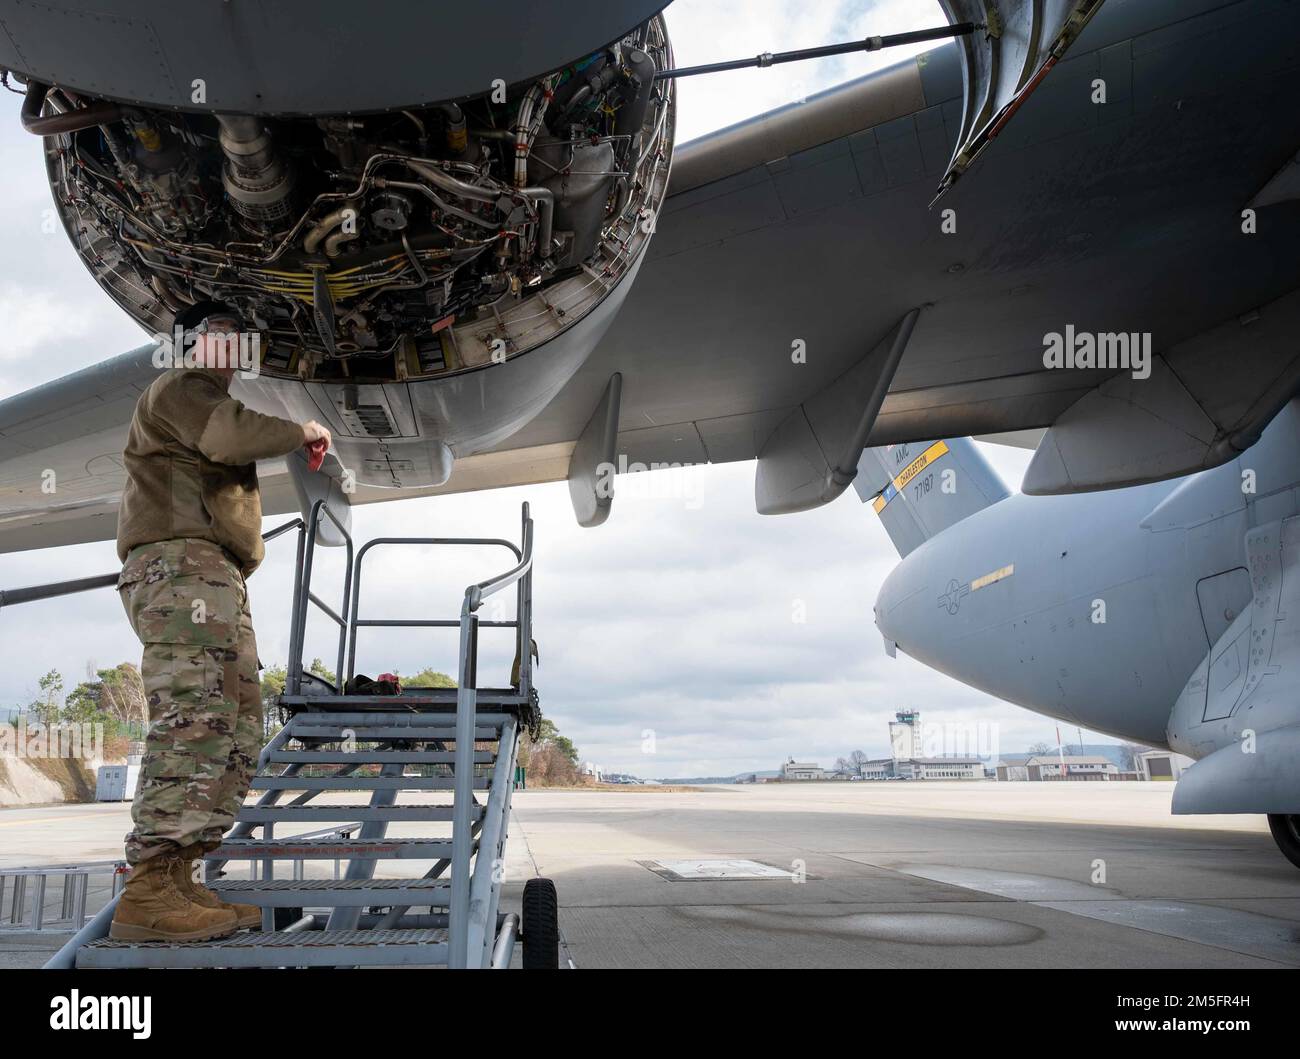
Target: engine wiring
430, 230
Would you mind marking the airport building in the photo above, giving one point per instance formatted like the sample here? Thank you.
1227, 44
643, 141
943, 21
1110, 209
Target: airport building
1023, 767
923, 768
802, 770
1012, 767
880, 769
940, 768
1078, 767
909, 760
1162, 765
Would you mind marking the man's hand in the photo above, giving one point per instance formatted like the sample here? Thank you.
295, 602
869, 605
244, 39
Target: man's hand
313, 431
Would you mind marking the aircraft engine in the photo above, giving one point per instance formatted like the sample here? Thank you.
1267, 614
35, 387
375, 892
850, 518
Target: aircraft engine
401, 243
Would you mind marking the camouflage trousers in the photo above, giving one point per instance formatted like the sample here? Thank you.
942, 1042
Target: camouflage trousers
188, 604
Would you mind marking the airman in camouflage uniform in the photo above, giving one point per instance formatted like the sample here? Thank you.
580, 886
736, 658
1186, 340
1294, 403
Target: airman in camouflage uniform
188, 603
189, 532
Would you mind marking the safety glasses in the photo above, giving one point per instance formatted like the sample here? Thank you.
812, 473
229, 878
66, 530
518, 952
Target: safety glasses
218, 325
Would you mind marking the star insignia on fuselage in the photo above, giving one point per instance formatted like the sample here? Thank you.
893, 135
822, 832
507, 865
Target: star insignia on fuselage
951, 600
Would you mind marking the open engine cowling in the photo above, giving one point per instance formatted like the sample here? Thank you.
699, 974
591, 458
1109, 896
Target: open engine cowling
381, 220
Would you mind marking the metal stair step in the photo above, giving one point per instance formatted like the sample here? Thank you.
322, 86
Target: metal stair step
329, 814
428, 700
375, 757
313, 948
333, 893
332, 849
424, 733
360, 783
390, 720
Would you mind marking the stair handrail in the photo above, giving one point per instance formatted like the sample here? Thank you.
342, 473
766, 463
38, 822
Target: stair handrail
302, 594
11, 597
459, 932
477, 593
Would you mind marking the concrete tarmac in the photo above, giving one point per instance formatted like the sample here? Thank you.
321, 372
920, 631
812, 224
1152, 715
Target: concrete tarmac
850, 875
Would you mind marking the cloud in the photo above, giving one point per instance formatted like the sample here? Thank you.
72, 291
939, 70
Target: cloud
54, 318
673, 619
31, 318
706, 31
666, 620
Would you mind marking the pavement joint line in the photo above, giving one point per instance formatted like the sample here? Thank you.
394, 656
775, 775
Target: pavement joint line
1188, 934
565, 952
991, 900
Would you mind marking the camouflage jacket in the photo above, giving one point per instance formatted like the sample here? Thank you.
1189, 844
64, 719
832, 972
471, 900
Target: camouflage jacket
191, 466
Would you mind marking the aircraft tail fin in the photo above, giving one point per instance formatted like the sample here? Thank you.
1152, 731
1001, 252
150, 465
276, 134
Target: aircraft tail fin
919, 489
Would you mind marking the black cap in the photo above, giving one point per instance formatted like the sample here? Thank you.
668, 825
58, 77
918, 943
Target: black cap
191, 316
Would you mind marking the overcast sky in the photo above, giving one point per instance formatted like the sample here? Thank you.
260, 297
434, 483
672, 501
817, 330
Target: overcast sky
675, 618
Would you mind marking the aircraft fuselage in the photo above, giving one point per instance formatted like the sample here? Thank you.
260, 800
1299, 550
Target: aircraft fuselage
1093, 608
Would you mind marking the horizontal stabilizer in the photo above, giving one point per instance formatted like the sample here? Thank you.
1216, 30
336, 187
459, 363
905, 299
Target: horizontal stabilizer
919, 489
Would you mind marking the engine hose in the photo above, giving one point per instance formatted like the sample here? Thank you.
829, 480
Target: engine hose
334, 242
58, 124
312, 241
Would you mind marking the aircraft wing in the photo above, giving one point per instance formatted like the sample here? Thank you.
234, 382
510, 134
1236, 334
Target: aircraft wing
794, 246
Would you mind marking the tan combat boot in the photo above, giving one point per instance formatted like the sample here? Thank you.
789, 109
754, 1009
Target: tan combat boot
151, 908
187, 881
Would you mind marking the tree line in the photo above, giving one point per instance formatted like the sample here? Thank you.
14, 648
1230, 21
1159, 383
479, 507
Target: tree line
115, 698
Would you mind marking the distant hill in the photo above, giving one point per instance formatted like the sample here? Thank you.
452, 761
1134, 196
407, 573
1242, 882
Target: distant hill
739, 777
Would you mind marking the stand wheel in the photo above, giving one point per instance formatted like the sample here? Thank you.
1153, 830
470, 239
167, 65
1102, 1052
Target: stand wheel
540, 926
1286, 833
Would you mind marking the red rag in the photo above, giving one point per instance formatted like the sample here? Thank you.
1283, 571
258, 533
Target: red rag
316, 453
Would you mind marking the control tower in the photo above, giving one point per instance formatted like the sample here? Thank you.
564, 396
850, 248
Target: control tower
905, 735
